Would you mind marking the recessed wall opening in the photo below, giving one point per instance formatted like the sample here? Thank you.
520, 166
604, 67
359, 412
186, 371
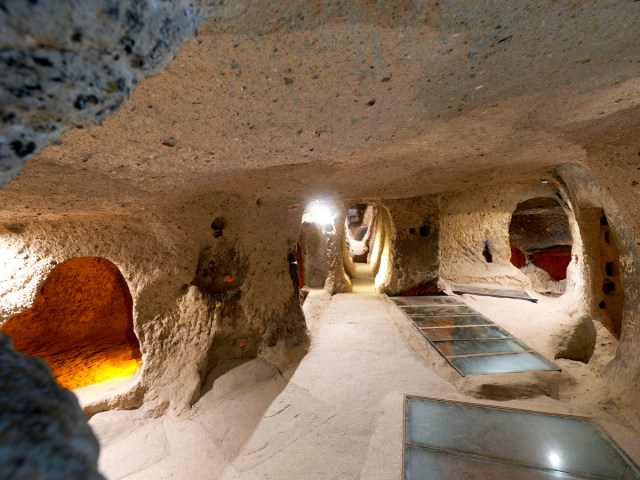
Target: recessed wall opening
81, 324
541, 242
611, 295
360, 225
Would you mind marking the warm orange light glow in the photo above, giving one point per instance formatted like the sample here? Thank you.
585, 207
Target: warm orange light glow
84, 365
81, 324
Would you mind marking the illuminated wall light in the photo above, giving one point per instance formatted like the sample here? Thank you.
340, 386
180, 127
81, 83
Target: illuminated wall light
321, 214
555, 460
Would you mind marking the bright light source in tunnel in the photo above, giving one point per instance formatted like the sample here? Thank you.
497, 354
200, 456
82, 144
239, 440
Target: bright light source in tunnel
554, 459
320, 213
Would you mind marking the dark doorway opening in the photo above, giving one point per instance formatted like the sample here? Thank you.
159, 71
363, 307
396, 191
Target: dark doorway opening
541, 243
360, 226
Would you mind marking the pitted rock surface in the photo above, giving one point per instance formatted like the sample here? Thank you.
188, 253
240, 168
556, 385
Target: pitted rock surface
43, 432
74, 63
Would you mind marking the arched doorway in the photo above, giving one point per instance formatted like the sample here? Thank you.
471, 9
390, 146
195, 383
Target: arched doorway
81, 324
360, 231
541, 242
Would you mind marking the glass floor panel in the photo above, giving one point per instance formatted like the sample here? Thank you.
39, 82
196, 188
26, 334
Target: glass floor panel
439, 300
464, 333
553, 443
431, 322
502, 363
427, 464
469, 341
438, 310
492, 291
472, 347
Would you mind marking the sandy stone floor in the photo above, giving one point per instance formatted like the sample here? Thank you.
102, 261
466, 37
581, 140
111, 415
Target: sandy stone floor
336, 415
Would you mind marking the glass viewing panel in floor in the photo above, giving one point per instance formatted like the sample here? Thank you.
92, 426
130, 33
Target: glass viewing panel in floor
493, 291
501, 363
433, 300
469, 341
450, 321
468, 332
464, 348
437, 310
445, 440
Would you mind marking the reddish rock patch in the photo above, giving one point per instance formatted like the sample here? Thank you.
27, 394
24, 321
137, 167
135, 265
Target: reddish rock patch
554, 261
518, 258
81, 323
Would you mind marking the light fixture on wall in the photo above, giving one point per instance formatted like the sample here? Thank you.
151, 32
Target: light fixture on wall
322, 214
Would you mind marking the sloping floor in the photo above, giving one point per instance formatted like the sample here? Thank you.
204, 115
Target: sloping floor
363, 281
336, 415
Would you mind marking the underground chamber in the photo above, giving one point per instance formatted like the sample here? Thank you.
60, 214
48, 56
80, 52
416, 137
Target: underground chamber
541, 242
81, 324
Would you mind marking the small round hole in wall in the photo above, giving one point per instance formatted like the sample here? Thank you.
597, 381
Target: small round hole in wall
425, 228
486, 253
218, 225
609, 287
609, 269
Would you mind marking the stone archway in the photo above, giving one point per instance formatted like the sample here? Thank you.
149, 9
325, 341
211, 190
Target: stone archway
541, 241
81, 324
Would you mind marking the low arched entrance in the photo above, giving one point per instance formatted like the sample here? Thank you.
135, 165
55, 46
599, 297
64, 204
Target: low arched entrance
81, 324
541, 243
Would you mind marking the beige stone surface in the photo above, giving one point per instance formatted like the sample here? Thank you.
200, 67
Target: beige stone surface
339, 412
447, 110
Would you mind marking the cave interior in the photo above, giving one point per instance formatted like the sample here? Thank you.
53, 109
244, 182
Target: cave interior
214, 240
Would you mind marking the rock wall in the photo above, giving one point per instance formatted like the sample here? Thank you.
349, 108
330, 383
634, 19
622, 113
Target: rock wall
474, 235
338, 281
185, 327
313, 243
610, 188
74, 63
43, 432
415, 247
381, 256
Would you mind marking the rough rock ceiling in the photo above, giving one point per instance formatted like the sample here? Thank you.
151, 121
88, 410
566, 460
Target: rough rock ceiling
357, 99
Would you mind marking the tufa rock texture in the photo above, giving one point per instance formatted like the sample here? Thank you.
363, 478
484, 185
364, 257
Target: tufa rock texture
576, 338
43, 432
445, 115
73, 64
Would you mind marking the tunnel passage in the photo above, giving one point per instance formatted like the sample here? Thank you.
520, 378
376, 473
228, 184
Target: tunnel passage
360, 230
81, 324
540, 239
